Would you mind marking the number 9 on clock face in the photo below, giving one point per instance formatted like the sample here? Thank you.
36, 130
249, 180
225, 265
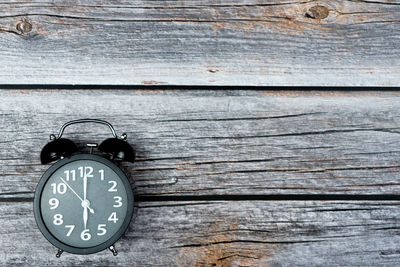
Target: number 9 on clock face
85, 204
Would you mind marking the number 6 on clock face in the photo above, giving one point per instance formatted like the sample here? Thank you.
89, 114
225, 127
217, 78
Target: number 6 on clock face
85, 204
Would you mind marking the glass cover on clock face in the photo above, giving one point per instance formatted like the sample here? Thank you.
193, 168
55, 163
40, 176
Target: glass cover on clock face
83, 203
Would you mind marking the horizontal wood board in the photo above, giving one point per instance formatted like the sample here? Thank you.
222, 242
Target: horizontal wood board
215, 142
240, 42
248, 233
219, 144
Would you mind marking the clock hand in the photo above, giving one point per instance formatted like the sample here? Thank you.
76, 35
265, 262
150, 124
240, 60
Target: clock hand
84, 186
85, 216
73, 191
84, 193
85, 202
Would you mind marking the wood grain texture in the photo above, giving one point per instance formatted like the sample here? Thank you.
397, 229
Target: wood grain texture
241, 42
219, 143
216, 142
249, 233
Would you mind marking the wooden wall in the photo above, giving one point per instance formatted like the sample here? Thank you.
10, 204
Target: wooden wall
208, 42
223, 178
254, 176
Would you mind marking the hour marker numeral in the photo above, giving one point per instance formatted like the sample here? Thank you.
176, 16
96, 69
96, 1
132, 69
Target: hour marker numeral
102, 229
58, 219
53, 203
113, 186
70, 175
101, 175
113, 217
71, 228
85, 235
87, 171
60, 188
118, 202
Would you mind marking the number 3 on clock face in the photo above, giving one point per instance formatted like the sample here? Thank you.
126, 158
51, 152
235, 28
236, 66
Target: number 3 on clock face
85, 204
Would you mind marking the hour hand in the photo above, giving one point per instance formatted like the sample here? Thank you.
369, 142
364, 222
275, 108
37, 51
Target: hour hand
86, 205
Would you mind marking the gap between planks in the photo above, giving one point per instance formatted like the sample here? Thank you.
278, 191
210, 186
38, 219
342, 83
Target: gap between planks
279, 197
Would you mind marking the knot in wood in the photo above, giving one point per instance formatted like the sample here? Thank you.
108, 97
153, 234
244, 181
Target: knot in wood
212, 70
317, 12
24, 27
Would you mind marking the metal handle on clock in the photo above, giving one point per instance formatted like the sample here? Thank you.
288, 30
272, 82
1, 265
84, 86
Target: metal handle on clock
86, 121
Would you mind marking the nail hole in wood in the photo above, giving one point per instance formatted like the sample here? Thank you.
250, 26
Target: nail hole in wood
317, 12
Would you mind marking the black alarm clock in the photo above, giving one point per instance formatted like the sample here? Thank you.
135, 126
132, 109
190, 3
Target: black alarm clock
84, 202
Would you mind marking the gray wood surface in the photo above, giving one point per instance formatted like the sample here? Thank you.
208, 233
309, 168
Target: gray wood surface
241, 42
248, 233
216, 144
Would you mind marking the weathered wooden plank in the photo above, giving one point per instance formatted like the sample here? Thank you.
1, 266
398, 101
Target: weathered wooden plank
241, 42
226, 234
216, 142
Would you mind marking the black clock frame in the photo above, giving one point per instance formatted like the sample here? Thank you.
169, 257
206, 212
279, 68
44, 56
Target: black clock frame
38, 215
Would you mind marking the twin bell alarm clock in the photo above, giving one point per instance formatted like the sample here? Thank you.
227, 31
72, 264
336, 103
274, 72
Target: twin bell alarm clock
84, 202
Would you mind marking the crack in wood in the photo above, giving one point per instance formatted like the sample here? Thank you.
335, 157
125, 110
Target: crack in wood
244, 118
333, 131
246, 241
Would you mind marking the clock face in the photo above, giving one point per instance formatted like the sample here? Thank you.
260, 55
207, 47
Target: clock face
85, 202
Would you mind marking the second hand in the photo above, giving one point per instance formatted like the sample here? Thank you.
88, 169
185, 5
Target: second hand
73, 191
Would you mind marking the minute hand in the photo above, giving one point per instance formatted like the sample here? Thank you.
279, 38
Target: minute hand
84, 194
84, 186
73, 191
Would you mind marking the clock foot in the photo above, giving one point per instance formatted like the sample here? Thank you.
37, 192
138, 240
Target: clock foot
59, 252
113, 250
